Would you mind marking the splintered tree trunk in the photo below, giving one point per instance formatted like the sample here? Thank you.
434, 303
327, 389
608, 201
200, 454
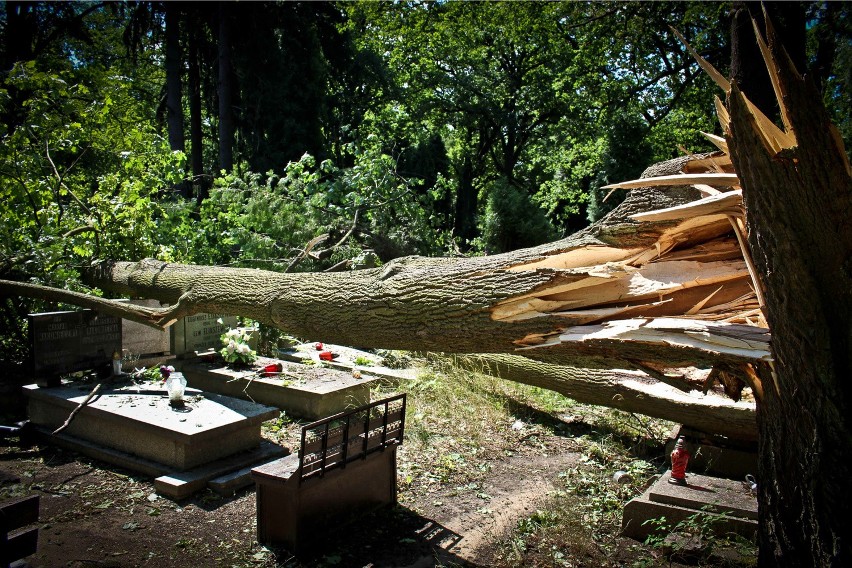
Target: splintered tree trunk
555, 302
799, 204
630, 391
661, 297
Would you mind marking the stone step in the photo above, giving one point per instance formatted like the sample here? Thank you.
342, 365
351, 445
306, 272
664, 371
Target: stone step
169, 483
728, 505
228, 484
99, 452
180, 485
713, 493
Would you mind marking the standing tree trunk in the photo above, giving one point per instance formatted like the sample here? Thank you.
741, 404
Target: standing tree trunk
798, 201
174, 104
226, 117
748, 69
195, 130
464, 224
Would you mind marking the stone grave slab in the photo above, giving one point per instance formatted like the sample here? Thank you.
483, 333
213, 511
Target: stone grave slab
64, 342
199, 332
304, 391
712, 496
138, 420
717, 494
346, 361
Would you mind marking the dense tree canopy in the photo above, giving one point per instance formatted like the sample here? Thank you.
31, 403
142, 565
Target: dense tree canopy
304, 136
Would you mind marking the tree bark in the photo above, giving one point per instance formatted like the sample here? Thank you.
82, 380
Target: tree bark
747, 66
174, 86
798, 202
599, 299
174, 97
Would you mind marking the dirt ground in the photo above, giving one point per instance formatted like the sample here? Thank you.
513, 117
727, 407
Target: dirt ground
94, 514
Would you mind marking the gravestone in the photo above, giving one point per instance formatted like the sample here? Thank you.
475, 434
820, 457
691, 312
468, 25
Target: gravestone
138, 419
143, 340
65, 342
199, 333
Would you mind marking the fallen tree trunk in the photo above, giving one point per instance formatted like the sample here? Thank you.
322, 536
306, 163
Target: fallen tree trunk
636, 292
598, 299
630, 391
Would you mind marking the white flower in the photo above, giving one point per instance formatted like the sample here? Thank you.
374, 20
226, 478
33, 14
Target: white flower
231, 346
243, 349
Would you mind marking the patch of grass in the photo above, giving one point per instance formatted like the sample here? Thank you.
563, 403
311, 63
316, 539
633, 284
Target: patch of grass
453, 415
584, 519
699, 538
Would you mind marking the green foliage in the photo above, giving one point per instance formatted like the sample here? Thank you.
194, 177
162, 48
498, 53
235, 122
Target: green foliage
830, 49
627, 152
265, 221
512, 220
703, 528
82, 166
76, 186
558, 98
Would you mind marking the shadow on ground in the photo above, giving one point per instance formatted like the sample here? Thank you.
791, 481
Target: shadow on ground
393, 536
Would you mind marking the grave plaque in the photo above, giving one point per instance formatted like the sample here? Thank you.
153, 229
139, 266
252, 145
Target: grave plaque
200, 332
64, 342
144, 340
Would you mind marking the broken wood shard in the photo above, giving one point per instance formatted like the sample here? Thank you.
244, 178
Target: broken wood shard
717, 77
717, 141
729, 203
711, 179
729, 342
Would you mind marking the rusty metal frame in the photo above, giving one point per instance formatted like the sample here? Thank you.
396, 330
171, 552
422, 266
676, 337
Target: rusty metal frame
382, 426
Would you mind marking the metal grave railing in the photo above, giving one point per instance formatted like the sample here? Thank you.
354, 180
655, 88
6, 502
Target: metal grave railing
335, 441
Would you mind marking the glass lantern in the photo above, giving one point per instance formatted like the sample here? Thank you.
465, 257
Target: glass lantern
175, 387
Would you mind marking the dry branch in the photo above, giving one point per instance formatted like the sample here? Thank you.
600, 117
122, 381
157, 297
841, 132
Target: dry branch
77, 408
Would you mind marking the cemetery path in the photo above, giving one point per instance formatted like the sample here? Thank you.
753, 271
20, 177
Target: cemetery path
483, 512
